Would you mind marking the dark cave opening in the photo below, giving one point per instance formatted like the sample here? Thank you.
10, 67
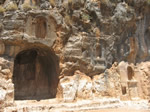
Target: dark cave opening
35, 75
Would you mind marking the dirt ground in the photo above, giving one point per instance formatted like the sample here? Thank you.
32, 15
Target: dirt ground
115, 110
83, 106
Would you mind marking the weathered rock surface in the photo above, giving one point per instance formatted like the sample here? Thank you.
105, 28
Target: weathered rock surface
74, 50
120, 81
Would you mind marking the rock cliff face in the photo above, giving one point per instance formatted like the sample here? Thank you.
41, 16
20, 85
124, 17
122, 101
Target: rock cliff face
74, 49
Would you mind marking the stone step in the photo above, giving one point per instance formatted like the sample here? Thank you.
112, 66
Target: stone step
100, 61
64, 107
78, 106
100, 67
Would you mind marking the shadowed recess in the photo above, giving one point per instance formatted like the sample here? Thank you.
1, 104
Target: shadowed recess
130, 73
41, 28
35, 75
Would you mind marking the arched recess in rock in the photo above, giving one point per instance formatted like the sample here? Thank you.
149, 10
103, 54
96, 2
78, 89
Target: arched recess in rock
35, 74
41, 27
130, 73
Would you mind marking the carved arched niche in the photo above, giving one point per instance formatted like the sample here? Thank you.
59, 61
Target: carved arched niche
130, 72
41, 27
35, 74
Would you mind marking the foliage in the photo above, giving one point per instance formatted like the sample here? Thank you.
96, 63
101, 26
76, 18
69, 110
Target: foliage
11, 7
85, 17
148, 1
26, 7
2, 10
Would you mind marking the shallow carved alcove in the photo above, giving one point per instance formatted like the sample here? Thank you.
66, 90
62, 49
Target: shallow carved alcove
124, 91
41, 28
35, 75
130, 73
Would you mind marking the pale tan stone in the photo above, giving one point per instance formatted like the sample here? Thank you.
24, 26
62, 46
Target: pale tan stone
99, 85
122, 69
84, 90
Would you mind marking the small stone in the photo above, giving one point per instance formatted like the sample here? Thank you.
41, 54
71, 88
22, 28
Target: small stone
5, 71
84, 87
2, 94
68, 86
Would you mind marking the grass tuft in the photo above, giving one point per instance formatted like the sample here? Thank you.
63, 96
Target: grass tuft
11, 7
2, 10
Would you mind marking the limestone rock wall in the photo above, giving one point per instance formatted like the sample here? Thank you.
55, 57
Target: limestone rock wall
99, 48
98, 32
124, 81
6, 85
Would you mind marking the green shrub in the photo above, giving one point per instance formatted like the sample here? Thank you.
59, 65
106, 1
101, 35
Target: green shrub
85, 17
148, 2
2, 10
11, 7
26, 7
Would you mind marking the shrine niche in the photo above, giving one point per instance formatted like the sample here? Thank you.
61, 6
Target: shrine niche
35, 75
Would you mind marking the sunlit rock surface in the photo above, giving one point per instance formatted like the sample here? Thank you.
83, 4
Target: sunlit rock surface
74, 55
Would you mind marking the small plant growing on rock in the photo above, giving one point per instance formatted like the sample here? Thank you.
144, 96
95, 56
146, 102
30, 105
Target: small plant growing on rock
26, 7
68, 20
2, 10
85, 17
11, 7
148, 2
